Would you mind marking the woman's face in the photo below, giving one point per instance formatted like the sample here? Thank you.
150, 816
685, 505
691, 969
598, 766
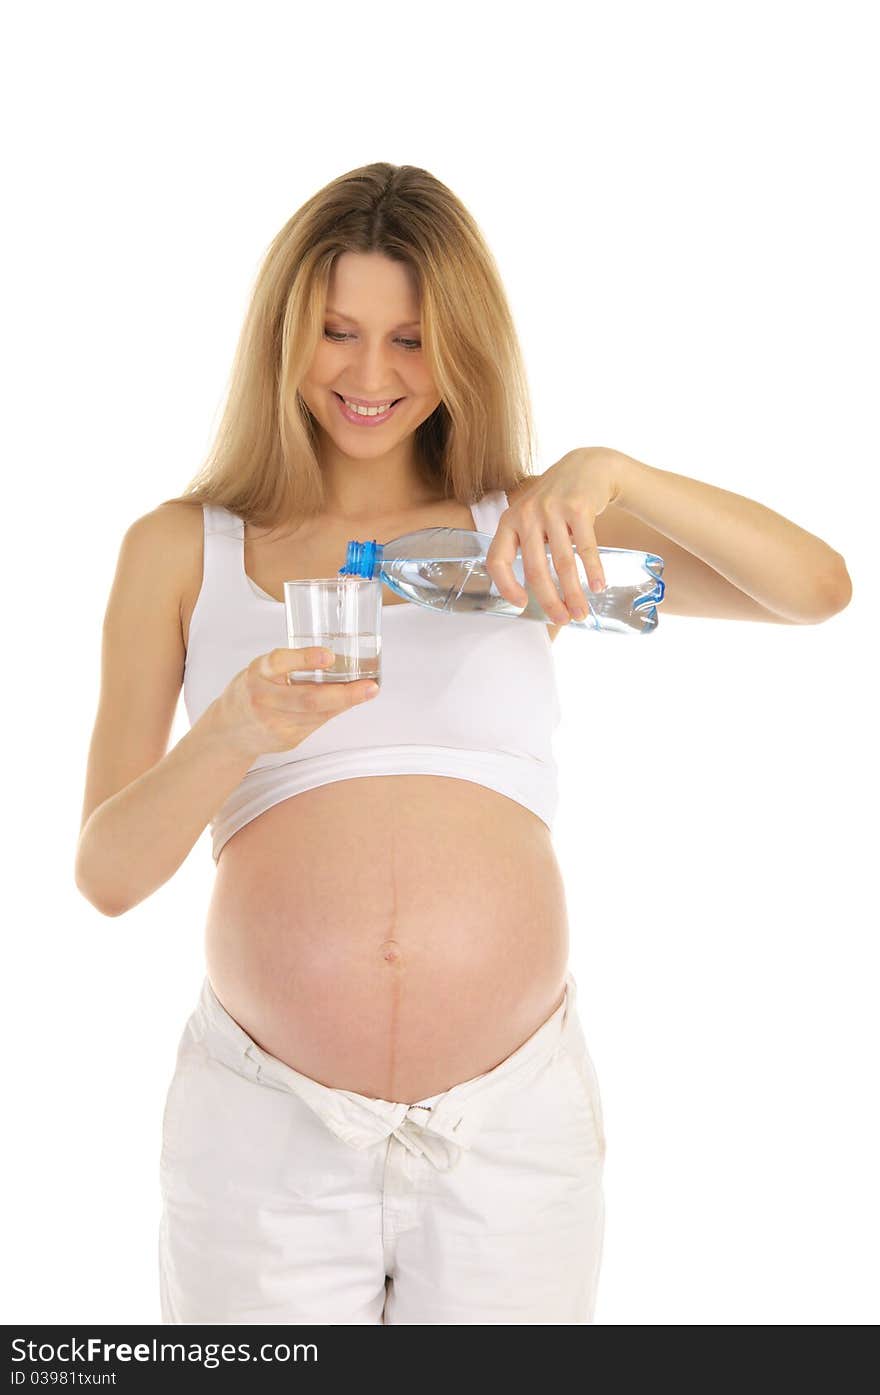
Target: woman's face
371, 349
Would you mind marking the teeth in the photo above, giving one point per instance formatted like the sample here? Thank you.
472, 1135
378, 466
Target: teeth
366, 411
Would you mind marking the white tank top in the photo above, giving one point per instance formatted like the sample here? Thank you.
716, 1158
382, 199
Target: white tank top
472, 697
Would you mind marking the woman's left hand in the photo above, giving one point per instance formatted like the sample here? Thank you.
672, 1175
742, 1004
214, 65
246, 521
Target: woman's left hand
560, 508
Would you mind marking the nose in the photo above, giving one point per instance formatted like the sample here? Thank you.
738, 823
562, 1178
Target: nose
375, 371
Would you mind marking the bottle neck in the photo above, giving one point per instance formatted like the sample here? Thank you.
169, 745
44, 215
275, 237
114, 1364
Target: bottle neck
363, 559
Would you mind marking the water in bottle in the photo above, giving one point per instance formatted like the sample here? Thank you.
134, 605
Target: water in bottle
445, 570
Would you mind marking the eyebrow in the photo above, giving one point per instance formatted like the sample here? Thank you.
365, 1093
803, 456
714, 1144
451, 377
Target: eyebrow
407, 324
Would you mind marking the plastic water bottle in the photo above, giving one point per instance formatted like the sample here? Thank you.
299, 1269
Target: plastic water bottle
445, 570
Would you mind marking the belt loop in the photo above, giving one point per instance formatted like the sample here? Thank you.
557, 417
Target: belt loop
252, 1068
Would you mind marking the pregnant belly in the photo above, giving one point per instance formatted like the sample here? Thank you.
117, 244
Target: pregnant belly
391, 935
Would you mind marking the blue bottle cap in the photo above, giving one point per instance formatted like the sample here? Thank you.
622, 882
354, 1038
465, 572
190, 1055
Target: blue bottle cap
363, 559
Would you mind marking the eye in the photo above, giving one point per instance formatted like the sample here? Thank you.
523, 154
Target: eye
337, 337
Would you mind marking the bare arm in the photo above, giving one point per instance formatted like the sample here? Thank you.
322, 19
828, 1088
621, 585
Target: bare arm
136, 840
144, 809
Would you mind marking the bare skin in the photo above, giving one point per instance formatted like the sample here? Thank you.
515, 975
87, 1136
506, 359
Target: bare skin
390, 935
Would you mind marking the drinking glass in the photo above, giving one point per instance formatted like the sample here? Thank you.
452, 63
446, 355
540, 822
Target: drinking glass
339, 613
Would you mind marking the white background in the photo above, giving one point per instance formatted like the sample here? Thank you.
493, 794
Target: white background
679, 198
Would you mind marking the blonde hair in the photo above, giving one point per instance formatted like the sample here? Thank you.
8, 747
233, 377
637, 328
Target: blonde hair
262, 465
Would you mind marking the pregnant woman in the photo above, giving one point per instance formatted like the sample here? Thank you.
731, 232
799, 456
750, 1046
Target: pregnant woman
383, 1108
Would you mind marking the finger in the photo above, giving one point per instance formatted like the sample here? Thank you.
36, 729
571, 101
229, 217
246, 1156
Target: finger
499, 564
304, 697
588, 551
565, 562
279, 662
539, 577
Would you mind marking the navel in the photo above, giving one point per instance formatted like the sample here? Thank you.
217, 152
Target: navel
390, 951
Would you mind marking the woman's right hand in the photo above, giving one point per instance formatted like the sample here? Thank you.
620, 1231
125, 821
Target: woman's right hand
261, 711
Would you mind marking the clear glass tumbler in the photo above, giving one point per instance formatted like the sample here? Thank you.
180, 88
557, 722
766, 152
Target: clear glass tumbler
339, 613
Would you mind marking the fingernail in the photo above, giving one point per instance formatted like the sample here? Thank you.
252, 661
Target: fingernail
597, 584
578, 614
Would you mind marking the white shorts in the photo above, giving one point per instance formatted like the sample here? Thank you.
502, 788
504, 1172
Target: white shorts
286, 1201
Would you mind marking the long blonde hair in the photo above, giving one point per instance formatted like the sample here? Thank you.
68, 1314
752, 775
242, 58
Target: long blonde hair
262, 465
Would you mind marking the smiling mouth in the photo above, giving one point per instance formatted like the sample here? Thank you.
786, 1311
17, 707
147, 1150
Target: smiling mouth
393, 403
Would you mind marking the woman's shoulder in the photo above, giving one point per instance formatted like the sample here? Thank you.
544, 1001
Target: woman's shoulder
172, 536
177, 524
169, 525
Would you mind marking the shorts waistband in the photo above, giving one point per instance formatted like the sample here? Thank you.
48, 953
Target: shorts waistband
438, 1126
